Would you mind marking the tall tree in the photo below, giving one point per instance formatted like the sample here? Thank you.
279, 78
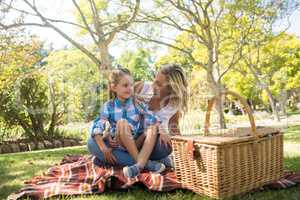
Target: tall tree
101, 21
216, 26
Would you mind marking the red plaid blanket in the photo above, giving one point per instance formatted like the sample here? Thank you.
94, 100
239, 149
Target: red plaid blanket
79, 175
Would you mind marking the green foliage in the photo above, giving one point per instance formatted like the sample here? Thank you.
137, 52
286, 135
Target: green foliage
283, 62
26, 98
8, 132
139, 63
279, 67
79, 77
110, 14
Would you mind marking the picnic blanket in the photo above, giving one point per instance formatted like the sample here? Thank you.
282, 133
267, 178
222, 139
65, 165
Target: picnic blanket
79, 175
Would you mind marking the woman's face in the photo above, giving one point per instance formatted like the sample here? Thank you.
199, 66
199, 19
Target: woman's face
160, 86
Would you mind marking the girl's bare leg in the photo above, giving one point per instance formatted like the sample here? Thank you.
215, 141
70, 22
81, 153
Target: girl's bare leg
142, 157
147, 140
125, 138
148, 145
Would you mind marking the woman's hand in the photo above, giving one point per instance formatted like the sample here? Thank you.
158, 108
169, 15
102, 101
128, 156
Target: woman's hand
165, 139
109, 156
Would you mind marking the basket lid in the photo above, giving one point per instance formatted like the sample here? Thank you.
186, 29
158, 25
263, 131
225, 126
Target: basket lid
262, 131
230, 136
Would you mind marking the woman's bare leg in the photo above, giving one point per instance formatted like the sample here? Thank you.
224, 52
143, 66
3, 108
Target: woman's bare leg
140, 141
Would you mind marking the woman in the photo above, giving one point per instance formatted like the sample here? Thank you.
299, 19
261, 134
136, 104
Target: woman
167, 98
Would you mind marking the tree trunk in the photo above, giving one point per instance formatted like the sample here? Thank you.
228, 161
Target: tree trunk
273, 105
106, 62
52, 125
221, 117
37, 126
255, 73
217, 88
283, 101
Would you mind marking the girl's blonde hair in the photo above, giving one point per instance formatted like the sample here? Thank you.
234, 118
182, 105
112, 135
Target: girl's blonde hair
114, 78
177, 85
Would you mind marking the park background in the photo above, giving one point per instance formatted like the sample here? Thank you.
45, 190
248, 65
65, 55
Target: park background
55, 56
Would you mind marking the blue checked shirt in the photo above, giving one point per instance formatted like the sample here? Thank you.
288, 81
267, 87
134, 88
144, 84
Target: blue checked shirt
137, 115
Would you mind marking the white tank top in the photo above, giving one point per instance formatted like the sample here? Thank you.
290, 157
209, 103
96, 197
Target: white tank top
164, 113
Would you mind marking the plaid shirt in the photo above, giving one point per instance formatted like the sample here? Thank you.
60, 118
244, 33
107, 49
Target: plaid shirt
137, 115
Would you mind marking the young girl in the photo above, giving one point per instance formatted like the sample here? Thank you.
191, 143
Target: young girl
123, 120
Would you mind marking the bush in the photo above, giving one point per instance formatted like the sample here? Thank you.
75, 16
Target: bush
33, 105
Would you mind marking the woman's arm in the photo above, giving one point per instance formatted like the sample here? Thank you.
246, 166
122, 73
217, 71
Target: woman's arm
138, 87
174, 124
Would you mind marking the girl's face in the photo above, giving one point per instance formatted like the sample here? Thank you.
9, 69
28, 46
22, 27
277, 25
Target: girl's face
160, 86
124, 88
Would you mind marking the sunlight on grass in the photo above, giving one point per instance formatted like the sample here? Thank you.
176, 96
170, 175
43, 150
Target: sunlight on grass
75, 130
292, 134
18, 167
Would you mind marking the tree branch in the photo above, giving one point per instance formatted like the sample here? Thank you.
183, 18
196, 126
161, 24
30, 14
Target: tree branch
76, 44
84, 21
10, 26
126, 24
49, 19
96, 20
171, 46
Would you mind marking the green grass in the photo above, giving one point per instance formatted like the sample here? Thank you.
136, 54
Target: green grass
292, 134
18, 167
296, 112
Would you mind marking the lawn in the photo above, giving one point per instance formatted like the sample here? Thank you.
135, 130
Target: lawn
15, 168
292, 134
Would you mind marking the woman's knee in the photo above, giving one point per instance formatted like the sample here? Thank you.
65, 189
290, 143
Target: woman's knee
160, 150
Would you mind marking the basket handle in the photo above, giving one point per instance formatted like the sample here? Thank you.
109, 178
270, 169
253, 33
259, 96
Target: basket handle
242, 100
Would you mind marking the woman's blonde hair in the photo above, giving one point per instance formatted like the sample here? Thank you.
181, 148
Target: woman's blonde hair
114, 78
177, 84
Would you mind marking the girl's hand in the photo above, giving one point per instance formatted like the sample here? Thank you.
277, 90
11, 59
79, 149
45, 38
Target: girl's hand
113, 143
165, 139
109, 156
107, 152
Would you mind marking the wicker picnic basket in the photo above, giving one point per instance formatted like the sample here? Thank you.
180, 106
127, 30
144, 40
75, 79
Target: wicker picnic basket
236, 162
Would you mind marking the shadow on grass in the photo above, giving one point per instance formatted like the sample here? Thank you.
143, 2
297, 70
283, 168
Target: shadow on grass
138, 193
